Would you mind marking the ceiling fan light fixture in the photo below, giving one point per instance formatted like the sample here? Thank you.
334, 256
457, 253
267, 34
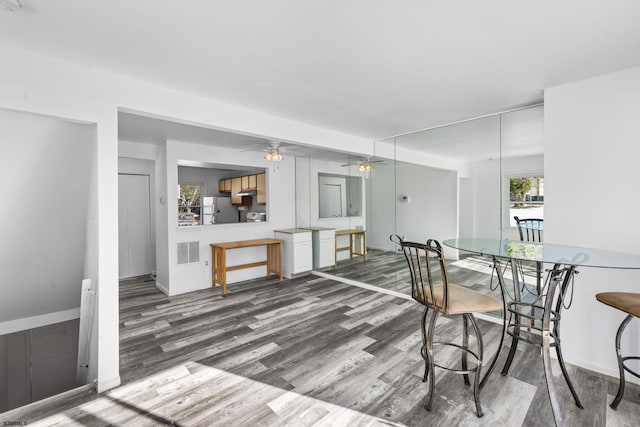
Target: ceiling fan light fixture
273, 156
11, 5
365, 167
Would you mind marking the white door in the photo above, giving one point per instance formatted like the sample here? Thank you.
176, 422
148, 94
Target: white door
134, 226
330, 200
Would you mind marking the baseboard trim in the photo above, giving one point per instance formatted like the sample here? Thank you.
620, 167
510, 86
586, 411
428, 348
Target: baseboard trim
108, 384
33, 322
162, 288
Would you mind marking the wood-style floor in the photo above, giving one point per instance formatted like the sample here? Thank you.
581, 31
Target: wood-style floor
307, 351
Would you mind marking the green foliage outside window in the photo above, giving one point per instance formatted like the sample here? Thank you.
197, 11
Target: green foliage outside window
520, 188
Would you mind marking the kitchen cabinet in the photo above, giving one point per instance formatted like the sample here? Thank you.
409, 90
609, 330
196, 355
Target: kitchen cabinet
324, 243
261, 187
297, 251
236, 187
253, 182
245, 182
224, 185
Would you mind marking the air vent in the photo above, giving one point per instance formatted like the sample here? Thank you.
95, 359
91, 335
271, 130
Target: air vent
188, 252
194, 251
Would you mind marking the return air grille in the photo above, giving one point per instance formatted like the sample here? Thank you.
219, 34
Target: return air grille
188, 252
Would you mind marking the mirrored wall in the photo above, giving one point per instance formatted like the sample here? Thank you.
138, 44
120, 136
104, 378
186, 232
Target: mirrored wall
467, 179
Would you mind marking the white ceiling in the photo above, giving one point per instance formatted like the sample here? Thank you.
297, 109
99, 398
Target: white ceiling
370, 68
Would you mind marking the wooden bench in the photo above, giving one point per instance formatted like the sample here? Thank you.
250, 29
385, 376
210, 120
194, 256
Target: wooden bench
355, 236
219, 266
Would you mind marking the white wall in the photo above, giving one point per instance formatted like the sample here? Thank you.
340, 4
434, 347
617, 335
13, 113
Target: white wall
431, 212
485, 183
591, 164
433, 203
381, 206
45, 165
303, 192
40, 84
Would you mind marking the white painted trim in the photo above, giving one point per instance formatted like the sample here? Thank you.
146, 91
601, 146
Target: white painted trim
596, 367
25, 323
108, 384
162, 288
186, 290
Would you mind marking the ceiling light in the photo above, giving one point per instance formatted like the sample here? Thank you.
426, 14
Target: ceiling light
11, 5
273, 155
365, 167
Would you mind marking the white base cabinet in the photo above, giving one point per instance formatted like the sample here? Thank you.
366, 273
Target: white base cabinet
297, 251
324, 246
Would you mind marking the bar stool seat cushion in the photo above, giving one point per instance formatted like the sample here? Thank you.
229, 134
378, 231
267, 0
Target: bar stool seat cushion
628, 302
461, 300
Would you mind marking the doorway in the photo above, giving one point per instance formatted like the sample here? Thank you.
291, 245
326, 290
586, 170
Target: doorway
134, 226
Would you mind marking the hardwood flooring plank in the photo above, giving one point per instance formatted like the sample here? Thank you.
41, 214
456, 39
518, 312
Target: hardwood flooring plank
313, 351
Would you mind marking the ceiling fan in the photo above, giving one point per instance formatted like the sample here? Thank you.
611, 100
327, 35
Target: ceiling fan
364, 164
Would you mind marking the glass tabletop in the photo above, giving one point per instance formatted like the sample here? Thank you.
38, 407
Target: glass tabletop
546, 252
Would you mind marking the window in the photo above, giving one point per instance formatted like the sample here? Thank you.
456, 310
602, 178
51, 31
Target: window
189, 204
526, 197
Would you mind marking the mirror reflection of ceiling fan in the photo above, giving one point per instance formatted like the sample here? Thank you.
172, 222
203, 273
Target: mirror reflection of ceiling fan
364, 164
274, 150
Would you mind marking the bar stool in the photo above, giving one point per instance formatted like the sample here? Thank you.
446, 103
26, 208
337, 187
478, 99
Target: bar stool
431, 288
630, 304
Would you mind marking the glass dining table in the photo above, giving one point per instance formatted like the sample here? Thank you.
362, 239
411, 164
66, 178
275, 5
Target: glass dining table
544, 316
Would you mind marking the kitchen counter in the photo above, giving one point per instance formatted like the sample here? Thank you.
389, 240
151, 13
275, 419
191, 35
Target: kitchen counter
293, 230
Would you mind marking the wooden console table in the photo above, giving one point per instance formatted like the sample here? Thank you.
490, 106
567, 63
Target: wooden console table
355, 236
219, 266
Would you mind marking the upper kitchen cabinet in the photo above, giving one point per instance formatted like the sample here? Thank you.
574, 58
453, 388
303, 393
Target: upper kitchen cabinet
261, 183
236, 187
249, 182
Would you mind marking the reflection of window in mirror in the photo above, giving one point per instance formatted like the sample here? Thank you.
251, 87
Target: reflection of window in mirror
339, 196
526, 197
190, 203
221, 194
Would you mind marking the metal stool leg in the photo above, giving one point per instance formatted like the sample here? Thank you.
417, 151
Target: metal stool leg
516, 328
505, 323
476, 382
618, 398
465, 345
423, 351
429, 346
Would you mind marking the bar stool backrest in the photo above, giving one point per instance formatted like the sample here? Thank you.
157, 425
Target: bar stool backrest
429, 282
530, 229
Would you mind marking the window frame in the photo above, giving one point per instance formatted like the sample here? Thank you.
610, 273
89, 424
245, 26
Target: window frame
192, 183
508, 220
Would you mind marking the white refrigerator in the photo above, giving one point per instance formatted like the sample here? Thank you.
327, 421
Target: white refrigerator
218, 210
